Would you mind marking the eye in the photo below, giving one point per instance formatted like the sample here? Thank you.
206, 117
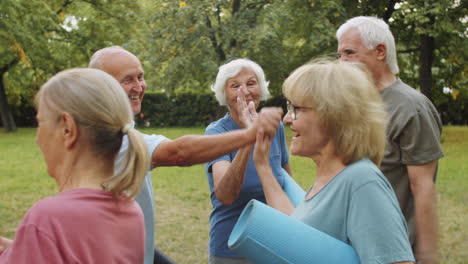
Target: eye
251, 83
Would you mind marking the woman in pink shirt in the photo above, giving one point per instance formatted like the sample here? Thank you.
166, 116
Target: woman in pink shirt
82, 116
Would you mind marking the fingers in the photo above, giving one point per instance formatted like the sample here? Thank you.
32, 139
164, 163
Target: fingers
252, 111
262, 149
247, 113
268, 120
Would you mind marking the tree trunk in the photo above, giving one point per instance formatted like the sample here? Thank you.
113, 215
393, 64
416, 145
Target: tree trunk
7, 118
425, 65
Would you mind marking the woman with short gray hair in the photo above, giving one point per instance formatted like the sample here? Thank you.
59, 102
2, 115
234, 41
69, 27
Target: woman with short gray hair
232, 178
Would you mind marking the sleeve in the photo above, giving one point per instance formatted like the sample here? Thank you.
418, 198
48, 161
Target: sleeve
32, 246
420, 140
153, 141
213, 130
284, 148
376, 227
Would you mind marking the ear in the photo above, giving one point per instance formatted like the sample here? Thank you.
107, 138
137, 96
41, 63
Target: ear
69, 130
381, 51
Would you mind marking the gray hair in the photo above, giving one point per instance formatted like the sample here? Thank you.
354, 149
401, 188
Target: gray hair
373, 31
231, 69
100, 108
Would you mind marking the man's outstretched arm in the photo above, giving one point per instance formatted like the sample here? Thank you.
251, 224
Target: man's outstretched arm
195, 149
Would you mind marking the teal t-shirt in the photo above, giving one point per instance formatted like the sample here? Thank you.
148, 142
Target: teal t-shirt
358, 206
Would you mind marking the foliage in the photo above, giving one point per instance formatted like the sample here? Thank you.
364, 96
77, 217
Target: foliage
39, 38
182, 43
445, 22
201, 108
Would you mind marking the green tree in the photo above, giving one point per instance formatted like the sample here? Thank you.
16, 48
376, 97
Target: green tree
39, 38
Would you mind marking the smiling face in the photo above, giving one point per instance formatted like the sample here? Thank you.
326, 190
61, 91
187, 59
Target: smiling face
127, 69
247, 82
310, 136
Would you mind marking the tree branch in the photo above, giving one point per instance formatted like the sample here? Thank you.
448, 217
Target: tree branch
214, 42
65, 4
8, 66
409, 50
389, 11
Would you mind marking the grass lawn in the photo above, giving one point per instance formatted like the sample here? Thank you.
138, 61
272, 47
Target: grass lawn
182, 194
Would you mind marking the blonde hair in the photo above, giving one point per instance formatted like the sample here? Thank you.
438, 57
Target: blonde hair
348, 104
101, 109
230, 70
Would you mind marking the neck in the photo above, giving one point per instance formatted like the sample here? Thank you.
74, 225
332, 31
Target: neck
384, 79
83, 171
329, 164
235, 116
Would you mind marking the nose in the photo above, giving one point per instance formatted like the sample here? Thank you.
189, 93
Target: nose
287, 119
244, 90
138, 86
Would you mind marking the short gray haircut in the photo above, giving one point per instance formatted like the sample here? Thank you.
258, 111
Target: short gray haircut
96, 58
231, 69
373, 31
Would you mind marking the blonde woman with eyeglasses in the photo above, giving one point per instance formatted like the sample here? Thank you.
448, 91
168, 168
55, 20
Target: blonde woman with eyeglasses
338, 120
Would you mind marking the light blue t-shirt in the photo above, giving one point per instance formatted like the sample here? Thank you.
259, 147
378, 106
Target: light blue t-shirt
358, 206
145, 197
223, 218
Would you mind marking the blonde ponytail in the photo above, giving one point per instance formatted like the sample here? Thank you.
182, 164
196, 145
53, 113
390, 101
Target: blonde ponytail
132, 168
99, 106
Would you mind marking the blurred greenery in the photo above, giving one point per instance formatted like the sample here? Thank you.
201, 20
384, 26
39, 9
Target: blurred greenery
182, 43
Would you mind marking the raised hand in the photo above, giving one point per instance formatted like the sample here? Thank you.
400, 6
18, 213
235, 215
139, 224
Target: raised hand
247, 112
268, 121
261, 154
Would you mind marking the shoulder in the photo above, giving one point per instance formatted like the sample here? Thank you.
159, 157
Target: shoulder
221, 125
404, 96
75, 200
361, 173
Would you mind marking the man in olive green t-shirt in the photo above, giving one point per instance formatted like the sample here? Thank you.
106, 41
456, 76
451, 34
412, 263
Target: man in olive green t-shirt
413, 135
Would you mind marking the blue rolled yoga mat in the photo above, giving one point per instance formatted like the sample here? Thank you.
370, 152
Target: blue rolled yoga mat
295, 193
265, 235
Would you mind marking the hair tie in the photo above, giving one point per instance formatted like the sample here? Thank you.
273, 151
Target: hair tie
126, 128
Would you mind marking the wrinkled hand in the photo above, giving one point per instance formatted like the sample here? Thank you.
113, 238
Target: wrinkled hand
247, 113
261, 154
4, 243
268, 121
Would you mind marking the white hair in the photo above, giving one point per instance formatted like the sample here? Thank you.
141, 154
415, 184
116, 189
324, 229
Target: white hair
373, 31
231, 69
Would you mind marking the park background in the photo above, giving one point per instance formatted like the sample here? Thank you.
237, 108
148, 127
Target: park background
181, 45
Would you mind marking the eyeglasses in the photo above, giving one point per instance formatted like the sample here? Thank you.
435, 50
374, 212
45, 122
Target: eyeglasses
292, 109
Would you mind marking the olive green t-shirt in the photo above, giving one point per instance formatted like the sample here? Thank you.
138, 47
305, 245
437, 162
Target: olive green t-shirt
413, 138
